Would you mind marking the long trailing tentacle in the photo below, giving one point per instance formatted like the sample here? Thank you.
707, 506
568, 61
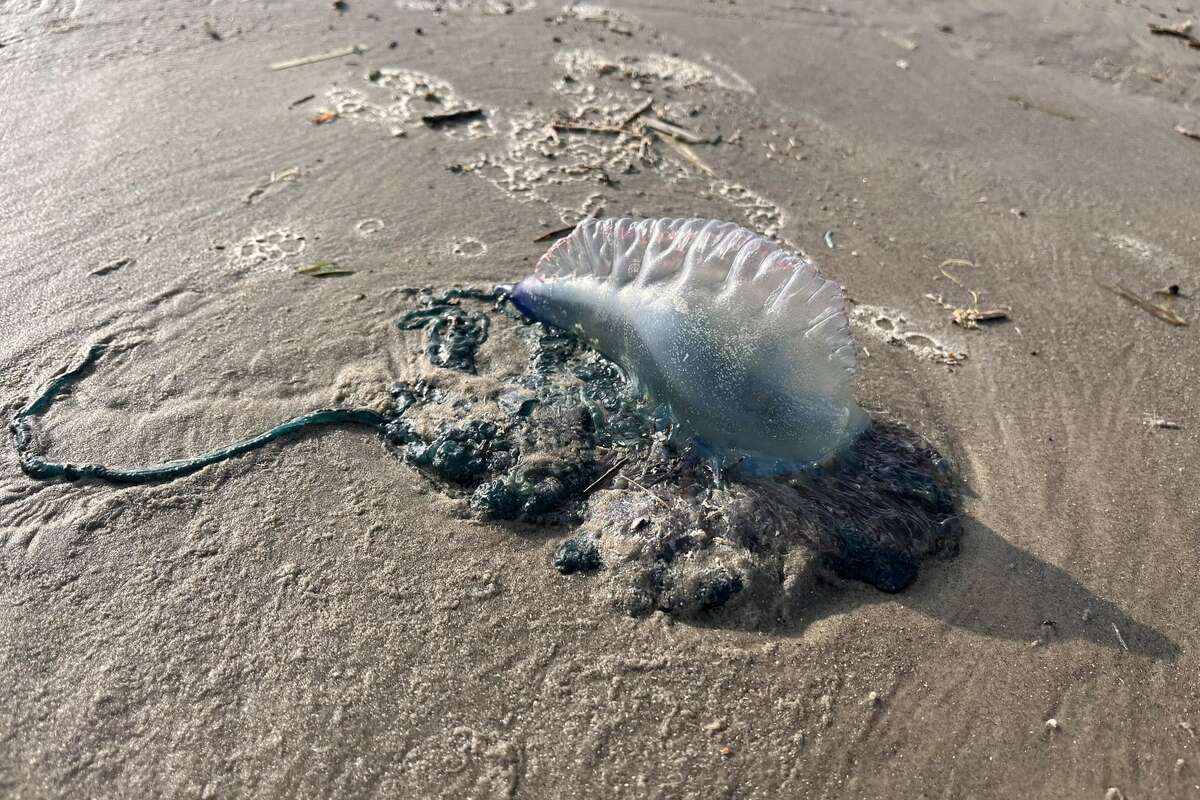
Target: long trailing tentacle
37, 466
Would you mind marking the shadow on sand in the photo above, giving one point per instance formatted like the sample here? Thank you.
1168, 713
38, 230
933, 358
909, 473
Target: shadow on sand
994, 589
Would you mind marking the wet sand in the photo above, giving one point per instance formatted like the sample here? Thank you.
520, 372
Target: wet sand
313, 620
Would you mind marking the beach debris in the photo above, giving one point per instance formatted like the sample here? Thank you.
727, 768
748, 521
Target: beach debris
341, 52
829, 239
1113, 793
340, 6
452, 117
902, 63
557, 233
1180, 30
1053, 725
676, 132
323, 269
953, 263
686, 152
637, 112
1188, 132
1161, 311
608, 473
289, 174
1152, 421
64, 25
1029, 105
969, 317
1120, 638
112, 266
323, 117
898, 40
301, 101
211, 30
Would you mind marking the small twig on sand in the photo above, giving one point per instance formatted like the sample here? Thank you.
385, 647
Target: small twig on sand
353, 50
576, 127
451, 117
1120, 638
1028, 105
685, 151
557, 233
1159, 422
647, 491
969, 318
637, 112
112, 267
674, 131
1188, 132
1162, 312
608, 473
1180, 30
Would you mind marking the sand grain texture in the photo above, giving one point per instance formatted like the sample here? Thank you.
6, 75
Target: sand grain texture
313, 621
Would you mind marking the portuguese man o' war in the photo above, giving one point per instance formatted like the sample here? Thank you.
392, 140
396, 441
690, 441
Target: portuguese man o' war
746, 345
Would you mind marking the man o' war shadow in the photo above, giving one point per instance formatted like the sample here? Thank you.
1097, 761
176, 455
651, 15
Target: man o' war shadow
994, 589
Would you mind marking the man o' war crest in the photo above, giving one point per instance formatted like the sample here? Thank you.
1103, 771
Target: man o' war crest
745, 343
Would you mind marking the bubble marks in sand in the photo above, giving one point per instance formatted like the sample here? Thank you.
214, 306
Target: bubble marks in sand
746, 343
399, 98
369, 226
891, 327
466, 247
267, 250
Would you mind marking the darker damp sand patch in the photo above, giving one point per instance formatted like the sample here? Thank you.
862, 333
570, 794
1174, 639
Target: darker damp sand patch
660, 531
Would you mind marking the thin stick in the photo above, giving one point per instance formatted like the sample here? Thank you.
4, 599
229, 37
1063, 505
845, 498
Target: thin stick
1120, 638
608, 473
353, 50
647, 491
1165, 314
674, 131
685, 151
637, 112
572, 127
